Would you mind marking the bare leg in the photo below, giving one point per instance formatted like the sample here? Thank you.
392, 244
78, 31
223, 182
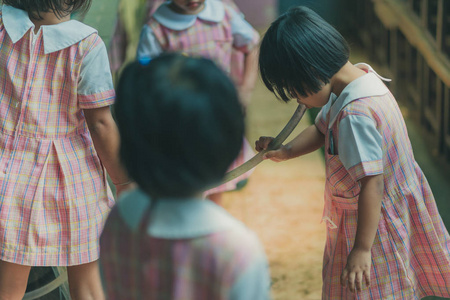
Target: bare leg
13, 280
216, 198
85, 282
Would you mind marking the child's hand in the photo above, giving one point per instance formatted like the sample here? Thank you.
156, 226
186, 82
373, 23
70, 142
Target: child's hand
280, 154
357, 270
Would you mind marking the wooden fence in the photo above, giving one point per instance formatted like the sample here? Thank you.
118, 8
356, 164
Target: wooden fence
412, 39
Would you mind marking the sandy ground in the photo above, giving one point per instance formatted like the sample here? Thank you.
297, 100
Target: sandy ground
283, 203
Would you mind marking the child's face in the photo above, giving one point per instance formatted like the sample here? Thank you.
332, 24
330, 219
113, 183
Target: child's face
318, 99
188, 6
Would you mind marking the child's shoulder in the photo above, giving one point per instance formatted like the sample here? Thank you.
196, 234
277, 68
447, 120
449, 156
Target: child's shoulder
83, 32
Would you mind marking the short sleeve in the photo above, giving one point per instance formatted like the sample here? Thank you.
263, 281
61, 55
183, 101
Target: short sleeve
320, 121
254, 282
148, 46
360, 146
95, 86
245, 37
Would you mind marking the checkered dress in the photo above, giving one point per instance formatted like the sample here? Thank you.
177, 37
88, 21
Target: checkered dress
208, 266
411, 251
121, 38
54, 196
214, 41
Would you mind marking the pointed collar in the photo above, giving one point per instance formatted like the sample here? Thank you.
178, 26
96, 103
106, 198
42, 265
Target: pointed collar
367, 85
214, 11
175, 218
56, 37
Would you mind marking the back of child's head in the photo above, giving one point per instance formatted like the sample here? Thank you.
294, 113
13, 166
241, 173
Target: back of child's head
60, 7
181, 124
300, 52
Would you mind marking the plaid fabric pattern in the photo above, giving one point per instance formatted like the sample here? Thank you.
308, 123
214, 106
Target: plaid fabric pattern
120, 41
411, 251
53, 190
207, 39
138, 266
214, 41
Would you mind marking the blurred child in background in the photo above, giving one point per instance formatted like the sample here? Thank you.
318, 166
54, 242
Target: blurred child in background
124, 38
211, 29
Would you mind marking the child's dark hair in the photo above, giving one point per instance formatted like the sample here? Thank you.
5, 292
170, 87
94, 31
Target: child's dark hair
180, 122
300, 52
61, 8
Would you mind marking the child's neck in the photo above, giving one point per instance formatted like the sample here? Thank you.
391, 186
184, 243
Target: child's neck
344, 76
48, 18
181, 11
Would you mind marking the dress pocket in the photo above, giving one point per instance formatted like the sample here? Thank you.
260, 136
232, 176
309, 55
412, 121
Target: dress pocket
339, 180
350, 203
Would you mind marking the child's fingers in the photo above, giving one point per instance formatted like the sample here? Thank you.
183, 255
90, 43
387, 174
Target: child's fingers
351, 281
273, 155
262, 143
358, 281
367, 277
344, 277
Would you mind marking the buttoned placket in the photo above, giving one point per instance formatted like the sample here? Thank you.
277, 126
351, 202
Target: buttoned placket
27, 87
329, 142
33, 38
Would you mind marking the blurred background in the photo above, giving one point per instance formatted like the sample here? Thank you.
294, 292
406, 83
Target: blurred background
406, 40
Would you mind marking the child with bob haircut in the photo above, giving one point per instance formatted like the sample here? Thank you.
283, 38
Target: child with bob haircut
181, 125
385, 237
57, 135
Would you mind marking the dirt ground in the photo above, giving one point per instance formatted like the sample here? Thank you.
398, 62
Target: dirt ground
283, 203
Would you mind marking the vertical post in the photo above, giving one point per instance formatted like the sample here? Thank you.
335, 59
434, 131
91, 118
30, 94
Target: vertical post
393, 52
447, 123
424, 13
439, 113
440, 26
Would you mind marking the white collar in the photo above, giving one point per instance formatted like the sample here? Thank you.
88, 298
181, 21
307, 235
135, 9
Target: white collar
56, 37
214, 11
175, 218
367, 85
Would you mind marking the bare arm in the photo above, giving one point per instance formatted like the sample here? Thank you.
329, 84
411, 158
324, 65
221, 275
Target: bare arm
105, 136
369, 210
249, 77
307, 141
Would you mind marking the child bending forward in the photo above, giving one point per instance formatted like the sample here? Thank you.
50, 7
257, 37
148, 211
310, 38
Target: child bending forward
385, 238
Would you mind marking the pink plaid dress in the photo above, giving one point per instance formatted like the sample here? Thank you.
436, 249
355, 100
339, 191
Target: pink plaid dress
120, 41
213, 34
54, 195
365, 135
180, 249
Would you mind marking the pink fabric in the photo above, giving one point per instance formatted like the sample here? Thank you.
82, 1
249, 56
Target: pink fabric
214, 41
119, 43
207, 39
411, 251
54, 195
138, 266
